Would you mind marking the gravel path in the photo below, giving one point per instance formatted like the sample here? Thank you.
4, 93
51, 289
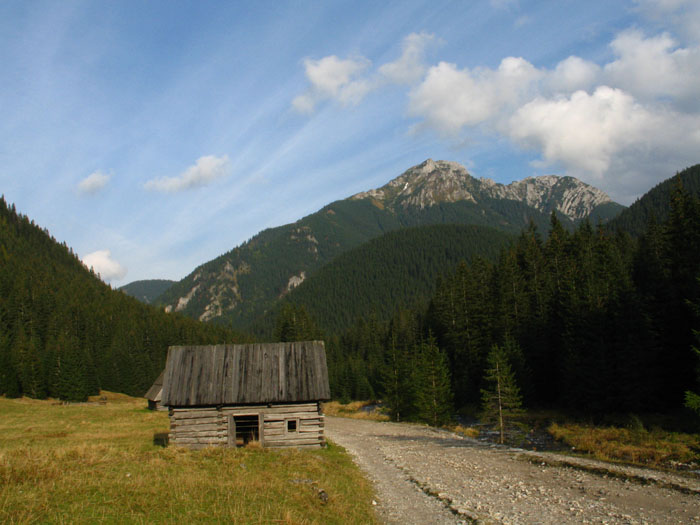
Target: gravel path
425, 475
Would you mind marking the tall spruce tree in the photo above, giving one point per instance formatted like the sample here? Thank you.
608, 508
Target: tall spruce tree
433, 392
501, 397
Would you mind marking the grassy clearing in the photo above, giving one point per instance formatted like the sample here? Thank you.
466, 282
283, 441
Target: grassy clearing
96, 463
657, 448
355, 410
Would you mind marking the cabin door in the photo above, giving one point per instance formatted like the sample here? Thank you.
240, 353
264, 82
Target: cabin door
243, 429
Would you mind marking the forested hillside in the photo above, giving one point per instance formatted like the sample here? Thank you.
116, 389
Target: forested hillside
398, 269
148, 290
653, 205
64, 333
591, 321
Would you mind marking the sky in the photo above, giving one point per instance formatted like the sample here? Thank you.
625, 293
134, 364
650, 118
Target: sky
153, 136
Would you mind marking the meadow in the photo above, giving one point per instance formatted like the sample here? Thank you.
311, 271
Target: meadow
99, 463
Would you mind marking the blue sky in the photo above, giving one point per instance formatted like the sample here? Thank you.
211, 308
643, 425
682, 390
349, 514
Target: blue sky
154, 136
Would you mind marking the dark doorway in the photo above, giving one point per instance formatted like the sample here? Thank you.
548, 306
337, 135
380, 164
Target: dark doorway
245, 430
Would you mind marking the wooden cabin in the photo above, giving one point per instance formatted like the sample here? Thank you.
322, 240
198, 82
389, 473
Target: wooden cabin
155, 394
229, 395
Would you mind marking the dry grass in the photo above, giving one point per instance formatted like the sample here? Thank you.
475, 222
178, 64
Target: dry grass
90, 463
633, 445
467, 431
354, 410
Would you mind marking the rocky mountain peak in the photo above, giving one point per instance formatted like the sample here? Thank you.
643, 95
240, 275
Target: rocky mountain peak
434, 182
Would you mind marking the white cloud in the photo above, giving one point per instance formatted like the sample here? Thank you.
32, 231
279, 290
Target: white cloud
573, 74
655, 67
204, 171
583, 131
450, 99
102, 263
608, 138
93, 183
410, 66
331, 77
349, 80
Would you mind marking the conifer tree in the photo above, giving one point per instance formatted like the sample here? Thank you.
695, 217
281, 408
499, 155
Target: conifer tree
294, 324
433, 391
501, 398
397, 380
692, 399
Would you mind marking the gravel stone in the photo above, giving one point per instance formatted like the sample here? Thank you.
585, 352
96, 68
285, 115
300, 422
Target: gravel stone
426, 475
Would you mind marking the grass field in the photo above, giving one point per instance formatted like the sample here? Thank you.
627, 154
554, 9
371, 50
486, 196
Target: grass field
97, 463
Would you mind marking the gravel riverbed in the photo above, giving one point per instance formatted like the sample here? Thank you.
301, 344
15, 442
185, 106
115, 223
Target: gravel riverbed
426, 475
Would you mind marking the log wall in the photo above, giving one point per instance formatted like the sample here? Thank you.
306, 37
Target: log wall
212, 426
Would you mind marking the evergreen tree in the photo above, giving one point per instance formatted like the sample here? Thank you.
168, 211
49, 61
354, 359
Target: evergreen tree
433, 392
692, 399
397, 380
295, 324
501, 397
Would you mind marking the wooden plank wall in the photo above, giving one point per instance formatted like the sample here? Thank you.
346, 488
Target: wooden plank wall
209, 426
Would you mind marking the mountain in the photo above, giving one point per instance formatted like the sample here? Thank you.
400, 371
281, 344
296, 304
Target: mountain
655, 203
400, 268
64, 333
432, 183
147, 290
241, 285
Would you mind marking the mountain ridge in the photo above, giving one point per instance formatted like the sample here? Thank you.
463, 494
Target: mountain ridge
446, 181
243, 283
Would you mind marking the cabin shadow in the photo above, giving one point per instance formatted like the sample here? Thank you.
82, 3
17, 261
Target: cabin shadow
160, 439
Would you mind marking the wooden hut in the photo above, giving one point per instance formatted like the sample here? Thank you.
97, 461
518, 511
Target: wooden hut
231, 394
155, 393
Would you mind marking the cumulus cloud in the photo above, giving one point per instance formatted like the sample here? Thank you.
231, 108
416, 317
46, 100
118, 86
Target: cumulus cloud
607, 136
332, 77
410, 66
93, 183
451, 98
102, 263
204, 171
582, 131
349, 80
656, 67
573, 74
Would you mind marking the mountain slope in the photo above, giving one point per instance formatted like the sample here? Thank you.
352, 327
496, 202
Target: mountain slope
655, 203
240, 285
398, 269
147, 290
64, 333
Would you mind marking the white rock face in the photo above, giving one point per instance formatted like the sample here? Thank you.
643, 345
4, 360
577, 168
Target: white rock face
295, 280
434, 182
182, 302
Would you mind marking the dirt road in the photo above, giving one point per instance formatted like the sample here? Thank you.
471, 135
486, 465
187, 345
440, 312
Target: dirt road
424, 475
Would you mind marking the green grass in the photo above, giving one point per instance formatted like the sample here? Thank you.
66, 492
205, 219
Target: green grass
96, 463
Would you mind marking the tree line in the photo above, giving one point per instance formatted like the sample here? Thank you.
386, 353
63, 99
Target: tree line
66, 334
